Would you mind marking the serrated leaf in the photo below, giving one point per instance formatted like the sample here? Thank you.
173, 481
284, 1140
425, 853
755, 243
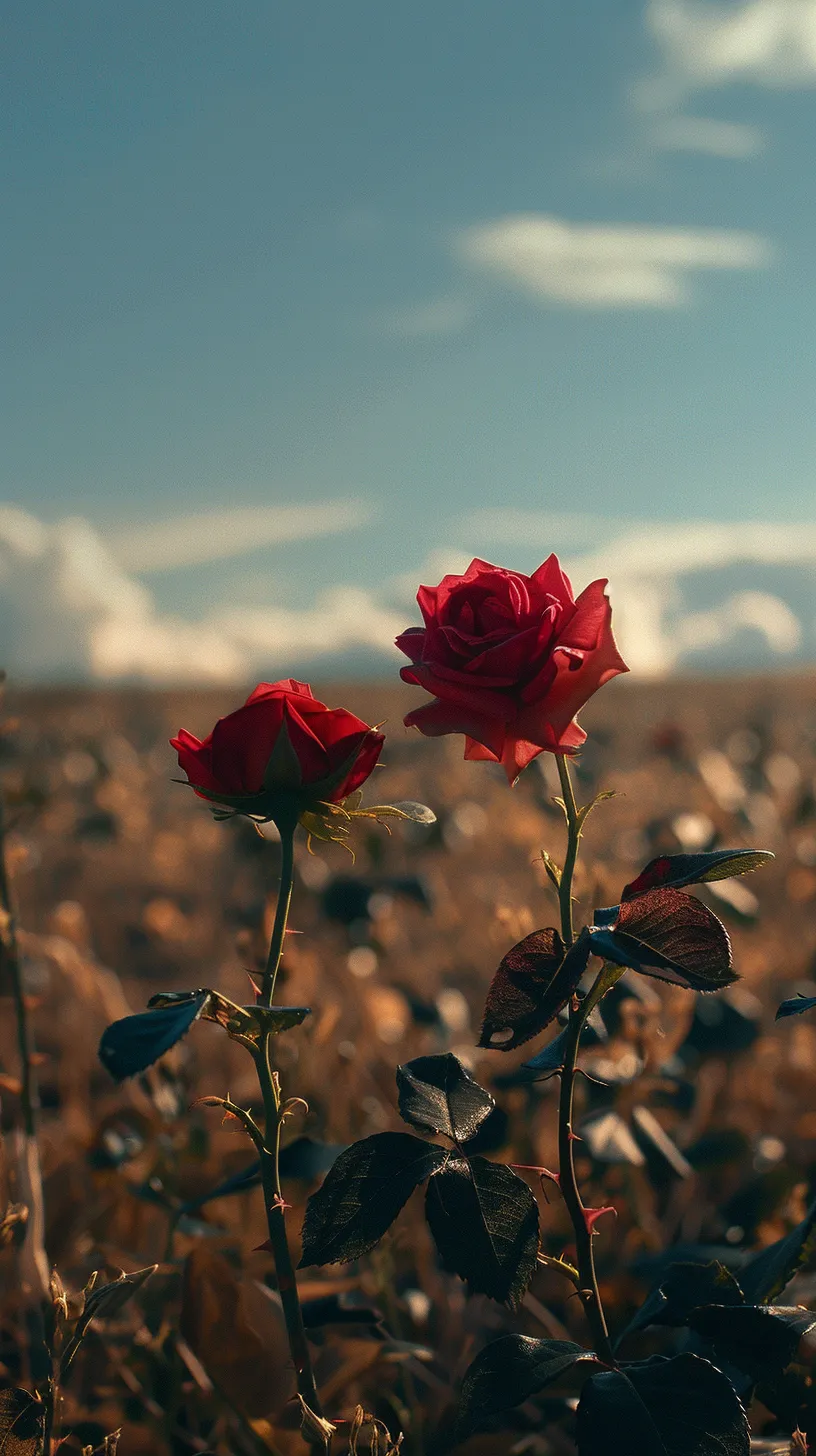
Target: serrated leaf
438, 1094
534, 981
508, 1371
683, 1288
761, 1339
133, 1044
484, 1221
363, 1192
795, 1006
767, 1273
676, 870
22, 1423
672, 936
678, 1407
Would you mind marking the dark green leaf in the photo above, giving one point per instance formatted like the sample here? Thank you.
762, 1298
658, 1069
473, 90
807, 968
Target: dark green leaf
678, 1407
676, 870
363, 1192
136, 1042
767, 1273
439, 1095
759, 1339
683, 1288
484, 1220
22, 1422
510, 1370
795, 1006
534, 980
672, 936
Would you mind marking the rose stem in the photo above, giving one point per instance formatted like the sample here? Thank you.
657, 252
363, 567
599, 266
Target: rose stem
577, 1020
270, 1154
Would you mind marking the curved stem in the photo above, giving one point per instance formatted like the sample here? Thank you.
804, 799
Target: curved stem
270, 1151
287, 879
579, 1013
573, 841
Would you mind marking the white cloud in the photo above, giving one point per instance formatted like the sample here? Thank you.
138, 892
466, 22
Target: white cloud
69, 610
683, 594
706, 43
656, 575
731, 140
605, 266
192, 540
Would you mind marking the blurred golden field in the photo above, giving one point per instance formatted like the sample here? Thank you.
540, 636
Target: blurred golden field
125, 886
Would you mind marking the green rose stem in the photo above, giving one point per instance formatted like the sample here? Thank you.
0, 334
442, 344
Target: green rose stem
274, 1113
578, 1016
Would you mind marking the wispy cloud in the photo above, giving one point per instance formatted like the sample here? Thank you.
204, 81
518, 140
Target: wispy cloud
193, 540
709, 43
731, 140
605, 265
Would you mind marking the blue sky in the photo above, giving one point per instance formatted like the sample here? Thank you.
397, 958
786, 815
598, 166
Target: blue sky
433, 258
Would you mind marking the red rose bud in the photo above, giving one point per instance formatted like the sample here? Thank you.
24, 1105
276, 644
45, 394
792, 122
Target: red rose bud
281, 755
510, 659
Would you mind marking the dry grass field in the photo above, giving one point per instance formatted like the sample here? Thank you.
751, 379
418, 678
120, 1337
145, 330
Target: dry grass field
125, 886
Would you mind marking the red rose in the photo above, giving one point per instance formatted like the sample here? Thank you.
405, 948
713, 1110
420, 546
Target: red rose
510, 659
280, 754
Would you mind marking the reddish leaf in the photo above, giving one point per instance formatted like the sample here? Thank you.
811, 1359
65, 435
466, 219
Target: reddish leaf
676, 870
690, 945
534, 981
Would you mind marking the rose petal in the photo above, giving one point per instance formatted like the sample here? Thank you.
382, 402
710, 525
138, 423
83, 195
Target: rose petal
412, 643
459, 693
271, 690
549, 580
439, 717
242, 744
369, 751
477, 752
195, 759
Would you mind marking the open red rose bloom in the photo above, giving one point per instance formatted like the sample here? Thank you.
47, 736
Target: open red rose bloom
510, 659
282, 741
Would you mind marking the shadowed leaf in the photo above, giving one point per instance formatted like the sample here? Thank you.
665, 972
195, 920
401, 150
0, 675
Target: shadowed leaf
484, 1220
676, 870
136, 1042
795, 1006
759, 1339
249, 1177
438, 1094
682, 1289
510, 1370
672, 936
550, 1059
235, 1327
106, 1300
678, 1407
22, 1420
534, 981
767, 1273
363, 1192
